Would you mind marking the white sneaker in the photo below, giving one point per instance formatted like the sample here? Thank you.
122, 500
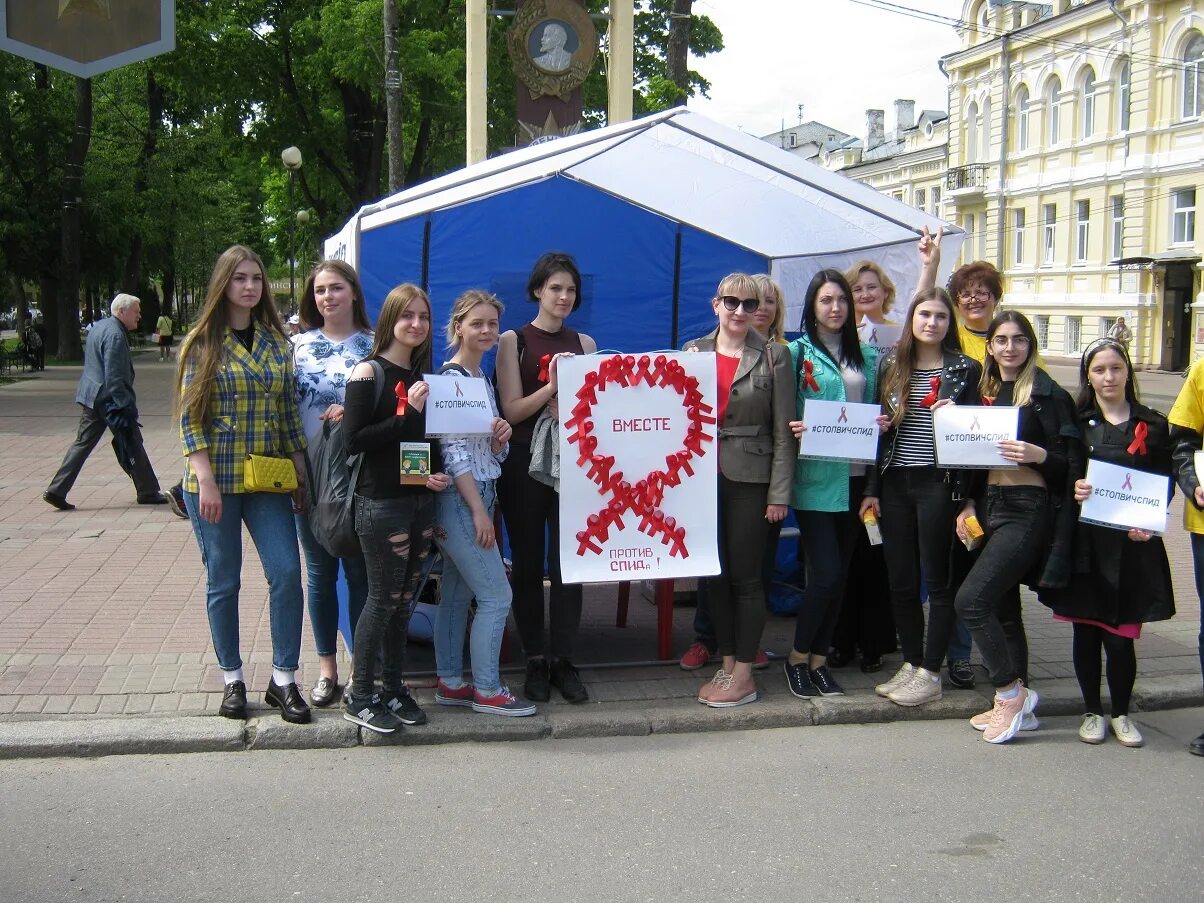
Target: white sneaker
902, 676
923, 686
1094, 729
1126, 732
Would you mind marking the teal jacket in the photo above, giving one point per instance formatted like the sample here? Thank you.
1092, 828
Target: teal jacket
824, 485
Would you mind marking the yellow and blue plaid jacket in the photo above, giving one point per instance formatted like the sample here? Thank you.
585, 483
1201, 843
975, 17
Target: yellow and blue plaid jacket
254, 410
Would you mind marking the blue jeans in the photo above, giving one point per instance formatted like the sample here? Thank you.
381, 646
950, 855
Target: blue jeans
469, 571
269, 520
1197, 554
322, 595
959, 643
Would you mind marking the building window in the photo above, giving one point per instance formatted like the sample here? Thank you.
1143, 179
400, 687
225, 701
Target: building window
1049, 234
1183, 216
1193, 77
1074, 329
1118, 227
1082, 228
1124, 93
936, 200
1088, 97
793, 140
920, 199
1023, 114
1041, 323
1018, 237
1105, 324
898, 195
973, 124
1053, 111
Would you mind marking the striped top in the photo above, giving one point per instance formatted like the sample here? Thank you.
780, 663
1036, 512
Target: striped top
915, 444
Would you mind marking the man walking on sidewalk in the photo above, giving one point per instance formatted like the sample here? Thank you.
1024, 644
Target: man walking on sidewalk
106, 394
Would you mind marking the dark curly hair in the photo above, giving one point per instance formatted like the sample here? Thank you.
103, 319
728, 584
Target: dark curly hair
978, 271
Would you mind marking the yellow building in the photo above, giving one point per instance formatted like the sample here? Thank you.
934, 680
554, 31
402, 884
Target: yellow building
1076, 162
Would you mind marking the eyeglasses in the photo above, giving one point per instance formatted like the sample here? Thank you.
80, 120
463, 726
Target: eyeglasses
981, 297
749, 304
1016, 341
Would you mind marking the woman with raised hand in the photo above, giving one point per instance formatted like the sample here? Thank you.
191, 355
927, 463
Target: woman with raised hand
235, 398
831, 365
472, 562
1028, 516
527, 384
1121, 579
756, 461
336, 336
915, 499
394, 507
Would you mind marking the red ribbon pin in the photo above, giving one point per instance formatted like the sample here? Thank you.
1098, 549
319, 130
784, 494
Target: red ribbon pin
402, 398
930, 399
544, 362
1138, 446
809, 377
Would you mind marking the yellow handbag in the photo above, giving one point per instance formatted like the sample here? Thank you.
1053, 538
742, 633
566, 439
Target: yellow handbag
263, 474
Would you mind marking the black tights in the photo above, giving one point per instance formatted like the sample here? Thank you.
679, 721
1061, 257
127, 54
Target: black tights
1122, 668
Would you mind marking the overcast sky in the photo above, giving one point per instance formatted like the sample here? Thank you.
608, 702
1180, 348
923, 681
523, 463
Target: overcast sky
835, 57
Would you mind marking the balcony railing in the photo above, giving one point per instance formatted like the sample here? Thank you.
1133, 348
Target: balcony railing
962, 177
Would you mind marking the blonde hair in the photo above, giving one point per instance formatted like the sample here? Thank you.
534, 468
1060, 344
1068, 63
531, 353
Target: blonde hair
868, 266
464, 305
202, 349
737, 283
397, 302
765, 286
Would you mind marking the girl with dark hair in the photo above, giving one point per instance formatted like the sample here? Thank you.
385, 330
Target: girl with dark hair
394, 519
1029, 518
235, 397
830, 364
337, 336
1121, 579
527, 385
915, 500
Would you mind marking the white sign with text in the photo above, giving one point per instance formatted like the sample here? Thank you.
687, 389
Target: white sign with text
880, 336
969, 436
1124, 498
458, 405
840, 430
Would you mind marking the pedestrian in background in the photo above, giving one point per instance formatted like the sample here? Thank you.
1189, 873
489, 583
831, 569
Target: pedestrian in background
165, 328
236, 397
1121, 333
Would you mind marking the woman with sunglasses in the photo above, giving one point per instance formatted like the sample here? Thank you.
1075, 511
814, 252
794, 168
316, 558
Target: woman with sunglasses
1121, 579
1028, 516
832, 365
756, 459
914, 498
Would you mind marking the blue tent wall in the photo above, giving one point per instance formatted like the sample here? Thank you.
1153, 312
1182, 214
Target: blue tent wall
705, 260
388, 257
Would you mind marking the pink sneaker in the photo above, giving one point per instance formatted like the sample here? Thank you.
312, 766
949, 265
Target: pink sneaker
1008, 715
695, 657
445, 695
704, 694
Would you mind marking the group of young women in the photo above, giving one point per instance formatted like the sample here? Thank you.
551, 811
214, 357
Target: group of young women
244, 390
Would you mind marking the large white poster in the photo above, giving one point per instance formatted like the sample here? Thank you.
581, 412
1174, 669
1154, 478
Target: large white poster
637, 467
1124, 498
969, 436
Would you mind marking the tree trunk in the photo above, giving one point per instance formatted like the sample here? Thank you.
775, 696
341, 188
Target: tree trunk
132, 283
73, 199
677, 51
18, 290
393, 96
48, 303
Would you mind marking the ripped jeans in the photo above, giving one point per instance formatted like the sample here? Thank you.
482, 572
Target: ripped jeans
388, 529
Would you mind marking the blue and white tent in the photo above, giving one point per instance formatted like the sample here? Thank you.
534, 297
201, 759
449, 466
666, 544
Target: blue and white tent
655, 211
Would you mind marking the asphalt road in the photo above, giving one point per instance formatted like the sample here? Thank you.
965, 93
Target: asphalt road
907, 811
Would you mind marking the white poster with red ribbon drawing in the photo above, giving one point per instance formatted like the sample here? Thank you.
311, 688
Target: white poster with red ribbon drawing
637, 467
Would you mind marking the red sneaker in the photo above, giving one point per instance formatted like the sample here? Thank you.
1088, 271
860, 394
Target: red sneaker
761, 662
695, 657
445, 695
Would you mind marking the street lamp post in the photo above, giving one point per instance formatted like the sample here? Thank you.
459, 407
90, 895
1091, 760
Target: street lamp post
291, 158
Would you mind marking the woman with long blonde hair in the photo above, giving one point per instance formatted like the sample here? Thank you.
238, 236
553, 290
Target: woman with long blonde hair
235, 398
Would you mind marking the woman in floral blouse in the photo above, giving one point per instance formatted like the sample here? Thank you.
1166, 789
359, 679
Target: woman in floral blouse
336, 336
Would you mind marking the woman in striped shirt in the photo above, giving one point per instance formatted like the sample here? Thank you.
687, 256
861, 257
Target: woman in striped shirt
916, 500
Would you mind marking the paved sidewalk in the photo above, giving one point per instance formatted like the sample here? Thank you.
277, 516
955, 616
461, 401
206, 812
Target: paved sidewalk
102, 613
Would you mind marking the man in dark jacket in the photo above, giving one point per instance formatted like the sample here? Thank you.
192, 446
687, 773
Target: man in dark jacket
106, 395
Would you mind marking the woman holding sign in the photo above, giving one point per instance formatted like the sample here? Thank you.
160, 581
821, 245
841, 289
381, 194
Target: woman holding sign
1121, 578
832, 365
1028, 516
394, 505
756, 457
915, 499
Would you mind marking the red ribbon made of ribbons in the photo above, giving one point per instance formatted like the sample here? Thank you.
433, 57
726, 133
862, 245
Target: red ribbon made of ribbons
930, 399
544, 362
402, 398
1138, 446
809, 377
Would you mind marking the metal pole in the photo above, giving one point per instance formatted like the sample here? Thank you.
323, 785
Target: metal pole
292, 232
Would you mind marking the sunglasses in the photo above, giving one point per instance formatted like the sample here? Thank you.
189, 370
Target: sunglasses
749, 304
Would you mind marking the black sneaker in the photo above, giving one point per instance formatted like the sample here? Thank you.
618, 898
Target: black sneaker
537, 687
175, 498
798, 678
824, 682
961, 674
402, 704
372, 714
564, 677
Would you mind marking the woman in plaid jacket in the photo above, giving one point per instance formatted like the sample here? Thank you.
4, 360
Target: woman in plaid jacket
236, 397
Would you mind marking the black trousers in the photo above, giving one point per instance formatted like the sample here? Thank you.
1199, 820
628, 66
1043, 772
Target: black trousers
829, 538
91, 427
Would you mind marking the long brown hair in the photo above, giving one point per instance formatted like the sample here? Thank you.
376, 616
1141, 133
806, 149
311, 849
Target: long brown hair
397, 303
309, 315
991, 377
201, 350
897, 378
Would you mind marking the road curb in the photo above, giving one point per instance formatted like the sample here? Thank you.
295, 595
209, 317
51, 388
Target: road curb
84, 737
